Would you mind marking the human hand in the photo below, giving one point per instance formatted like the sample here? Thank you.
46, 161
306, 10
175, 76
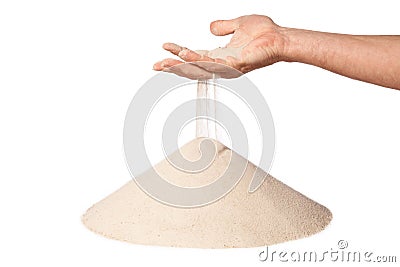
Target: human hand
256, 42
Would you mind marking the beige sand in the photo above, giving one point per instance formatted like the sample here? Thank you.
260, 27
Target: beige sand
273, 214
222, 52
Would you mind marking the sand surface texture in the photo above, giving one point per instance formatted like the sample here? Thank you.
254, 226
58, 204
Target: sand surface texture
274, 213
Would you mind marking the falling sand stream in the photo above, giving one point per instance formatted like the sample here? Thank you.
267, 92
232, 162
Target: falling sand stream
274, 213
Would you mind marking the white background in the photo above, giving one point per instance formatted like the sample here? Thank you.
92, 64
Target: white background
69, 69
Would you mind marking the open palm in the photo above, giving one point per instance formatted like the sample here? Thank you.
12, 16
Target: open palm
259, 42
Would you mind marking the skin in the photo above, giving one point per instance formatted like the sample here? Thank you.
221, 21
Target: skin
370, 58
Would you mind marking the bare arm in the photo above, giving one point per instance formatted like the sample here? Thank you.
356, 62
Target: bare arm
373, 59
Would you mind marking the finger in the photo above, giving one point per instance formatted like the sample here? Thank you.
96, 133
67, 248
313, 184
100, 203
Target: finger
191, 56
219, 65
222, 70
183, 69
190, 71
213, 65
173, 48
166, 63
157, 66
224, 27
170, 62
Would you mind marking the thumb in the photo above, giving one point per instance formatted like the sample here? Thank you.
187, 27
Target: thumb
223, 27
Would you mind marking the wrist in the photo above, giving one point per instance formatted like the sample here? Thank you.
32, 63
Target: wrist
298, 45
289, 41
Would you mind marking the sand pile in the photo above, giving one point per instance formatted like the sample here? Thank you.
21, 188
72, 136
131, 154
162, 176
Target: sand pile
274, 213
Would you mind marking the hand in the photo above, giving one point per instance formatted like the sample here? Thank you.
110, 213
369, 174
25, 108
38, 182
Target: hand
259, 41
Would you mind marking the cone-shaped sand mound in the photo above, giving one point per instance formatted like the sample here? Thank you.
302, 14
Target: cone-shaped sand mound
274, 213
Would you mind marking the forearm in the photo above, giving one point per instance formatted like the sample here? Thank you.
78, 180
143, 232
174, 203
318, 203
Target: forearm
373, 59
